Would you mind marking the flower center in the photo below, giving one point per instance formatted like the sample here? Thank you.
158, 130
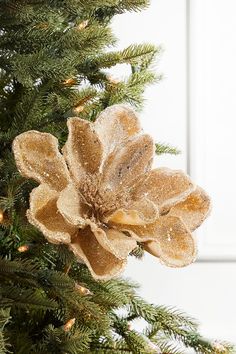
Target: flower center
101, 200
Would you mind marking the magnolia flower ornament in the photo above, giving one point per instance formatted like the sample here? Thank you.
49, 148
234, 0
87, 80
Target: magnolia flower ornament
100, 196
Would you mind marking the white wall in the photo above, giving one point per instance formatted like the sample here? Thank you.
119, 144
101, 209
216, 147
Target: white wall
193, 108
213, 123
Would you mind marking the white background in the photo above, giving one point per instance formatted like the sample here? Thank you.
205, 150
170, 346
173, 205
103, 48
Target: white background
194, 108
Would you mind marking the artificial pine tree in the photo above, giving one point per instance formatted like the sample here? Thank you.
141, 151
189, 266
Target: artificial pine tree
53, 61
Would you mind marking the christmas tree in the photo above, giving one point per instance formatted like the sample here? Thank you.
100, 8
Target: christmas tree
54, 63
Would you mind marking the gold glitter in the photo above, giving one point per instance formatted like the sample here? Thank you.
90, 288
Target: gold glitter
101, 263
194, 209
37, 156
164, 187
128, 162
100, 196
114, 126
175, 249
83, 149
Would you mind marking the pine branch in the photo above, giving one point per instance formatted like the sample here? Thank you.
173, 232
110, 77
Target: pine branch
166, 149
130, 91
142, 55
56, 340
160, 317
135, 341
4, 319
138, 252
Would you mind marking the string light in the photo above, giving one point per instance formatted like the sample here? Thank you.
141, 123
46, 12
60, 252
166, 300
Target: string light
68, 325
82, 290
69, 82
42, 25
1, 216
129, 326
23, 248
78, 109
82, 25
113, 80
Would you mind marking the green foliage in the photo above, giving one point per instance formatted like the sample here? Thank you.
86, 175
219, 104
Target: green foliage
42, 299
55, 56
166, 149
4, 319
42, 45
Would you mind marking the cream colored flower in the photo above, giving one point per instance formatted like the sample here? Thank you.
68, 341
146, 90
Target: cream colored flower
100, 196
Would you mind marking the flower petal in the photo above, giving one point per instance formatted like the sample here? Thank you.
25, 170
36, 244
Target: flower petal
83, 150
129, 161
71, 206
114, 241
43, 214
168, 238
165, 187
37, 156
102, 264
140, 212
114, 125
193, 210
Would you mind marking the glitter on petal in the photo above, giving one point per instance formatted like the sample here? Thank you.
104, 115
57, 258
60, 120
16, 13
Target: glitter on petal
108, 198
44, 214
194, 209
115, 125
102, 264
165, 187
37, 157
83, 150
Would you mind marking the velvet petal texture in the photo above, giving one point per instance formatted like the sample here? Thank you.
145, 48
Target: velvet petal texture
194, 209
83, 150
167, 238
139, 212
115, 125
102, 264
100, 197
44, 214
165, 187
37, 157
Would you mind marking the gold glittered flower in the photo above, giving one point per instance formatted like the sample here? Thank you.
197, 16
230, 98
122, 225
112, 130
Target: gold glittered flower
100, 196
